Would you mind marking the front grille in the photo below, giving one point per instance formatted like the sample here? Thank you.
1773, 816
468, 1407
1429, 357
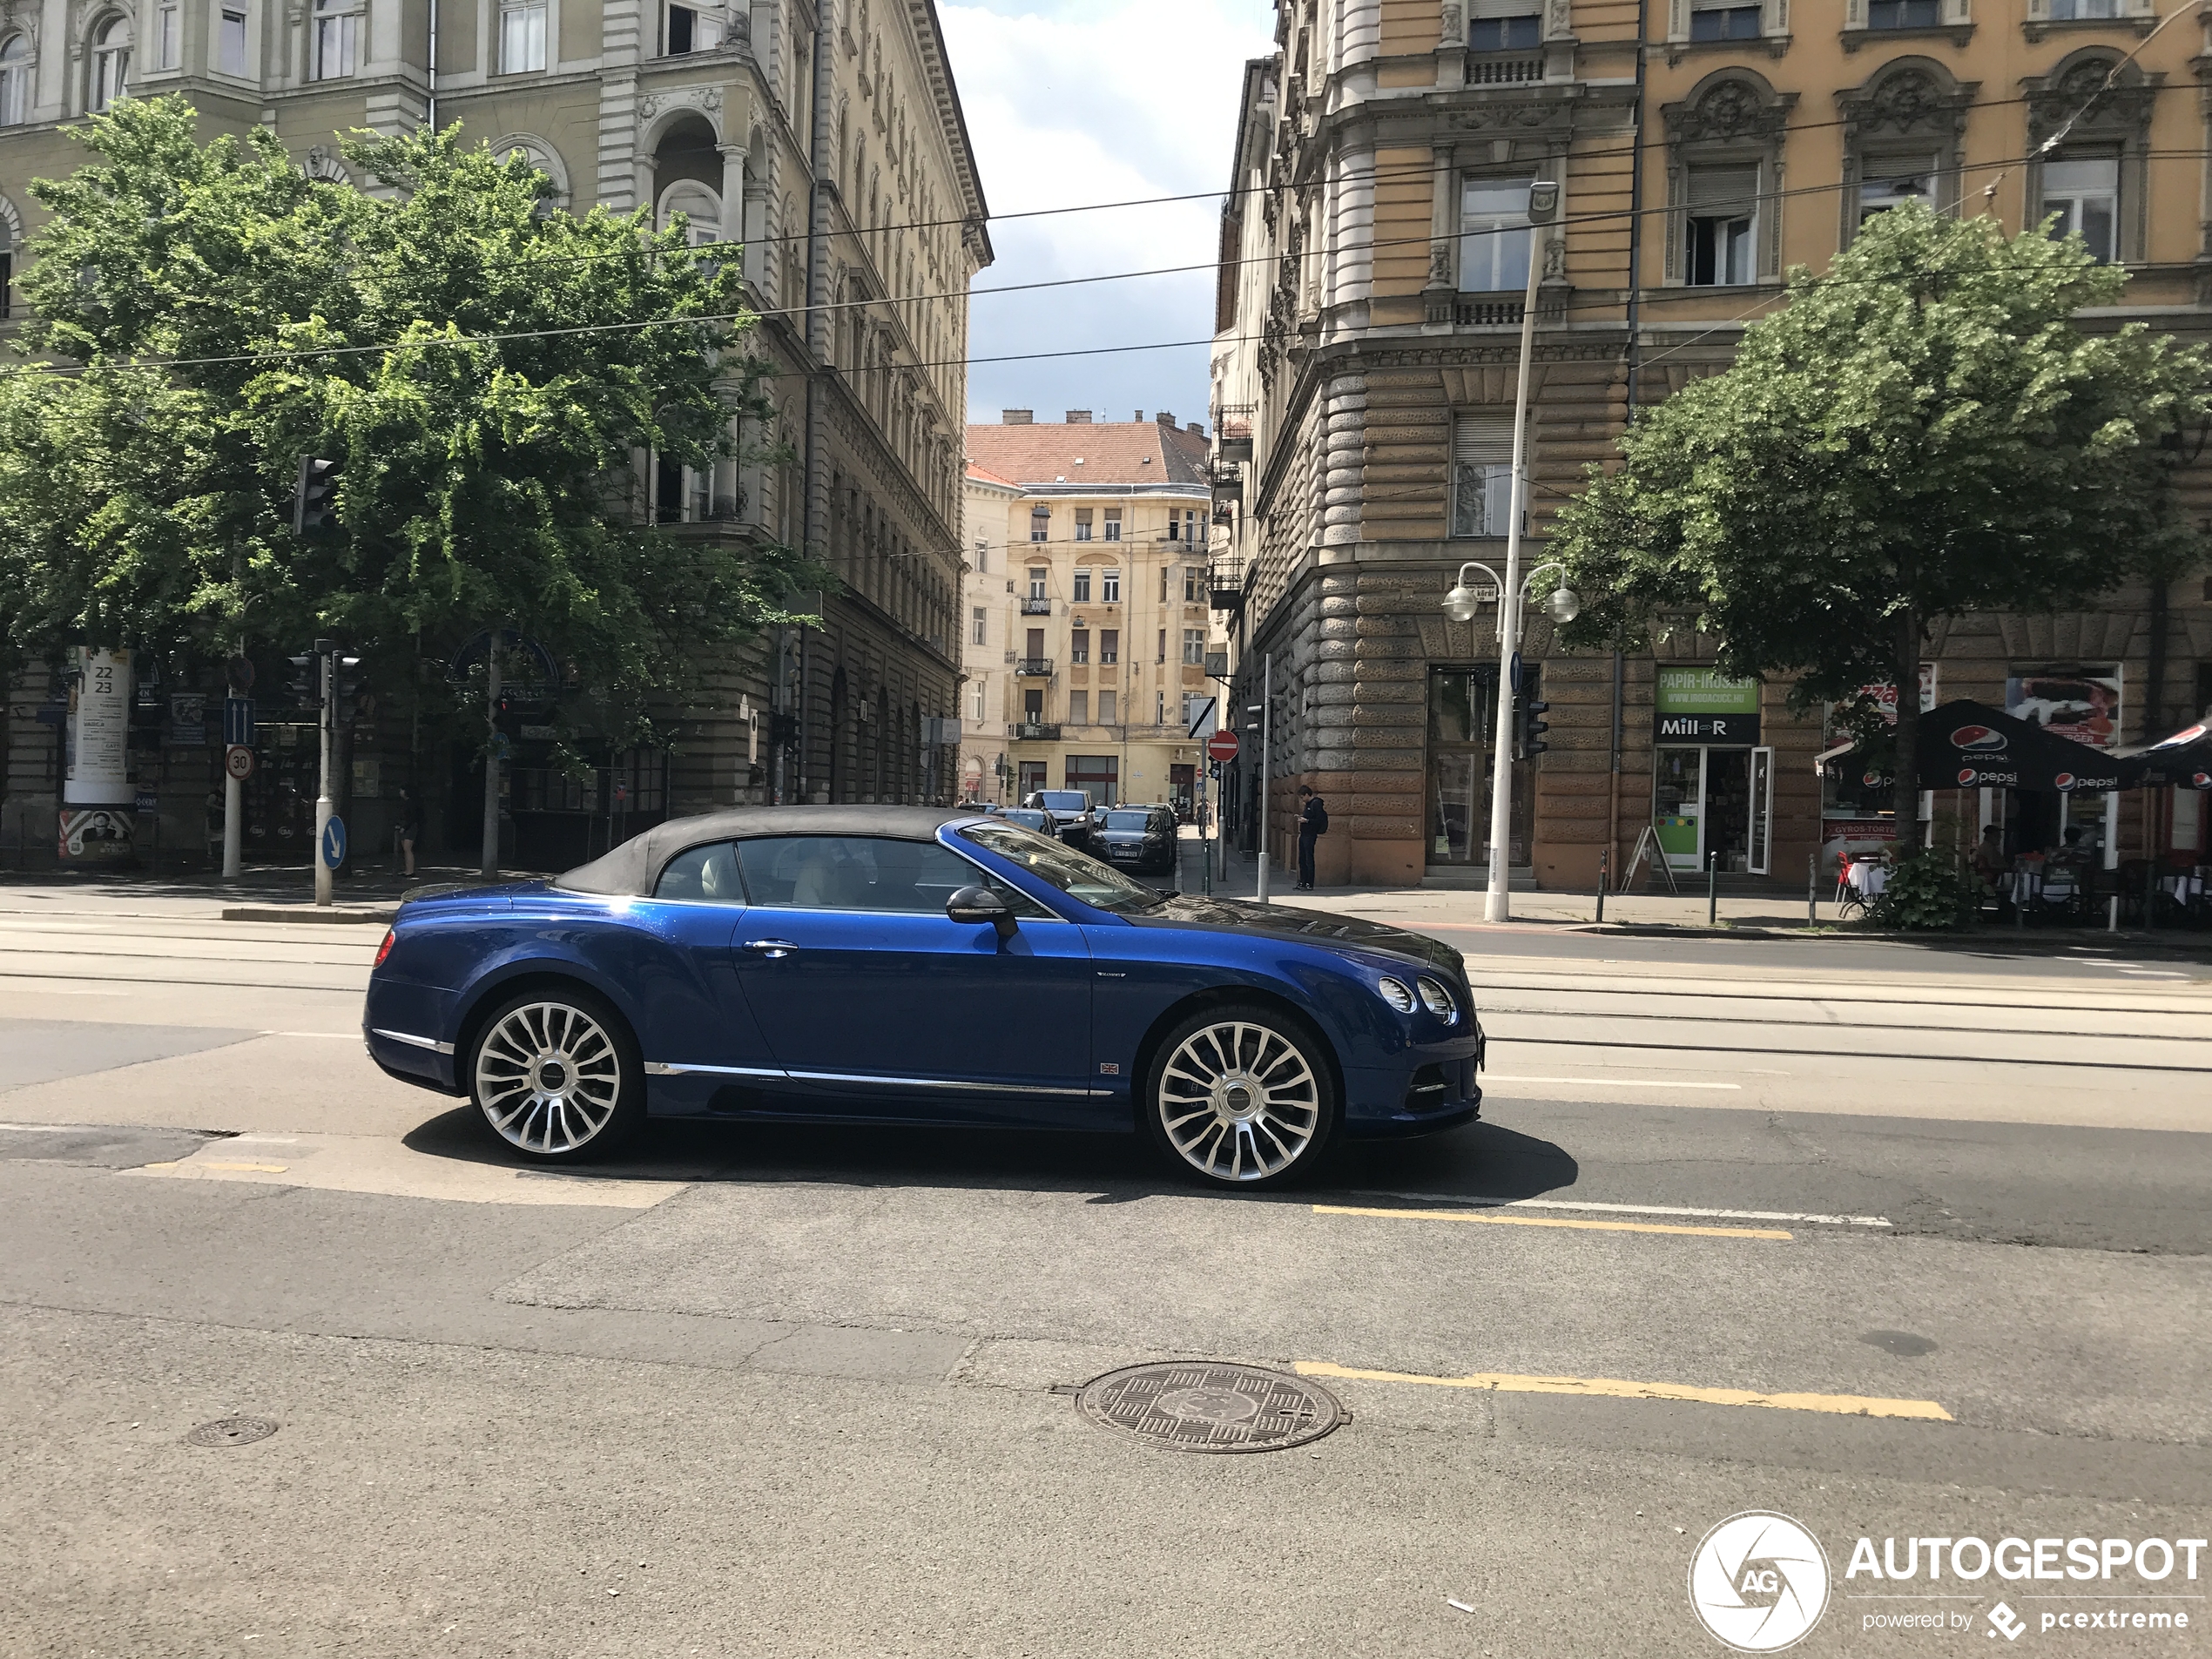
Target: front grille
1429, 1089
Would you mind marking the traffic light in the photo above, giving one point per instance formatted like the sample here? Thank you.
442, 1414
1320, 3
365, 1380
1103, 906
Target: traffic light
1252, 713
304, 680
314, 497
344, 680
1529, 736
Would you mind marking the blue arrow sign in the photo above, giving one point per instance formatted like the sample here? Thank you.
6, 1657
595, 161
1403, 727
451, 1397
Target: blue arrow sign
334, 843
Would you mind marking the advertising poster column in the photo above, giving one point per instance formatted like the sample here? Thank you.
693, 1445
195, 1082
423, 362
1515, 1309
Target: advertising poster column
95, 812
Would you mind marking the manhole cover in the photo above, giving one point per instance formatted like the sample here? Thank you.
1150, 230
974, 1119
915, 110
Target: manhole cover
1902, 1343
1210, 1407
231, 1431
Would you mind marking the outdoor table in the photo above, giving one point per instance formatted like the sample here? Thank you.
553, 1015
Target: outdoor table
1867, 878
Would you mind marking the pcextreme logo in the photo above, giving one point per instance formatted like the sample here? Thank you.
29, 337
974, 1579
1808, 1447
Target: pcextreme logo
1759, 1582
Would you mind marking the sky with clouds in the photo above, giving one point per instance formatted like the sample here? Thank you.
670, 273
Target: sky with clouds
1078, 101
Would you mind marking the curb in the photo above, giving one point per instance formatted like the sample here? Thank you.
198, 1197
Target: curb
304, 912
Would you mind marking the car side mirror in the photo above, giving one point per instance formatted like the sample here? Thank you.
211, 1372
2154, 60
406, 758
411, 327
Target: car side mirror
981, 904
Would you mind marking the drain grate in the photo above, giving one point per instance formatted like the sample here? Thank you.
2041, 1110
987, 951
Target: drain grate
231, 1431
1210, 1405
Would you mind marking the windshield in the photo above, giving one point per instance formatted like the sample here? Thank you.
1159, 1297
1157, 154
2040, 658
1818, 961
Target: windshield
1074, 874
1129, 820
1026, 819
1064, 801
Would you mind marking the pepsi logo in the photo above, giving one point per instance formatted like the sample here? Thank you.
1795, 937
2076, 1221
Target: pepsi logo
2178, 738
2064, 780
1967, 775
2202, 780
1977, 737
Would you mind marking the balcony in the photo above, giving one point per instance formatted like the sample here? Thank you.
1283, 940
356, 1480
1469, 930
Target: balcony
1495, 310
1036, 668
1036, 607
1225, 583
1027, 733
1504, 68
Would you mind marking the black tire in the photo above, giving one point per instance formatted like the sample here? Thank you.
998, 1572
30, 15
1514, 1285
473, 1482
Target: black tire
1199, 1109
556, 1076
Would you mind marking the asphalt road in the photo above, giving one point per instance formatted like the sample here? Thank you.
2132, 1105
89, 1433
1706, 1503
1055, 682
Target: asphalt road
1892, 1245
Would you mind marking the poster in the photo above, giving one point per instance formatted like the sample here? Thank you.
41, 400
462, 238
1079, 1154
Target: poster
2084, 706
99, 731
95, 835
1704, 705
1884, 693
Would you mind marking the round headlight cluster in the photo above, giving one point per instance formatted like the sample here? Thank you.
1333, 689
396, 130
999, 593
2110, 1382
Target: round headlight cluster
1438, 997
1395, 994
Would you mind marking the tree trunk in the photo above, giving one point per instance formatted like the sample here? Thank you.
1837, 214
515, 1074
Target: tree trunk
1907, 796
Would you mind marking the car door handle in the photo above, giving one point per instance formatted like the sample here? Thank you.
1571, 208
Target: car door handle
771, 948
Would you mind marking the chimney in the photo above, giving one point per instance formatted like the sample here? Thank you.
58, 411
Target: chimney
1165, 418
1078, 417
1015, 417
1139, 415
1199, 427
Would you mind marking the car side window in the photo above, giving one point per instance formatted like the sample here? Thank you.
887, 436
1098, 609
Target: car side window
702, 875
862, 872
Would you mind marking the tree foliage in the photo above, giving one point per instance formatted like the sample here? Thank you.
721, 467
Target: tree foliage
1923, 432
487, 371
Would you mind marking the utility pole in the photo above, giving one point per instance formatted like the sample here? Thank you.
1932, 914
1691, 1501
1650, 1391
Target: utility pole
326, 652
233, 785
490, 864
1266, 732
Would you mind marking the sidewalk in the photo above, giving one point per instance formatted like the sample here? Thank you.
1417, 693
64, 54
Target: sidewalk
1760, 914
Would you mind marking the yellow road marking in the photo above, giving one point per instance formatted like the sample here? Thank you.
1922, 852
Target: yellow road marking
257, 1169
1497, 1220
1614, 1388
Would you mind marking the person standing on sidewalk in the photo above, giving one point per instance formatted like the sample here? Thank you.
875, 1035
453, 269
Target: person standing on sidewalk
1313, 823
410, 827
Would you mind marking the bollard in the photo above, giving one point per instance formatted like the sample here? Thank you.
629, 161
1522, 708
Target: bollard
1713, 888
1812, 887
1604, 856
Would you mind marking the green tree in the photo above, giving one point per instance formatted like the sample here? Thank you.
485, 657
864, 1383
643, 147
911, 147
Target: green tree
1923, 432
487, 370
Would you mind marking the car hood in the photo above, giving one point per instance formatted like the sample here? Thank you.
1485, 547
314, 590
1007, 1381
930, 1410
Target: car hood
1307, 926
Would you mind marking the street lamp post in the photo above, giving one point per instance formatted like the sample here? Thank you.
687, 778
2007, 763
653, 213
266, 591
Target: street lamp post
1543, 207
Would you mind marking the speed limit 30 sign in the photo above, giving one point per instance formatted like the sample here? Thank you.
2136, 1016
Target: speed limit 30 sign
238, 761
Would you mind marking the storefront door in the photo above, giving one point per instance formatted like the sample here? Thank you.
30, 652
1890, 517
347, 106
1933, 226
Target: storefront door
1714, 801
1462, 705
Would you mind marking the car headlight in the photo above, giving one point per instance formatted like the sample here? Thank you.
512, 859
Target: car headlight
1395, 994
1438, 1000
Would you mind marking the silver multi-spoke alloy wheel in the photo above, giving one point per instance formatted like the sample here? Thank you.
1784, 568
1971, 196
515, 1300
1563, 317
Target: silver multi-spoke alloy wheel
549, 1078
1238, 1102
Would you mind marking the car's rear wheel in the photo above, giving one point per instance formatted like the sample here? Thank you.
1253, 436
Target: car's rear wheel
556, 1075
1240, 1097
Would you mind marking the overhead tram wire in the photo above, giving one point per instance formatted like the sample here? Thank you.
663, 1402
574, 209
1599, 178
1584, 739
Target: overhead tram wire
714, 318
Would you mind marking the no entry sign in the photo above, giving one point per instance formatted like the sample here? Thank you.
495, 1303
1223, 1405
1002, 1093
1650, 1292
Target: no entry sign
1222, 745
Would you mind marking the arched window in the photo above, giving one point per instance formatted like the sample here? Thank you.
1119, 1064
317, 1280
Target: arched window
1723, 173
111, 63
2094, 184
337, 42
1905, 134
14, 80
700, 207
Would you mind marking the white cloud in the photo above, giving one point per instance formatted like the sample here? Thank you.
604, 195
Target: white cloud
1072, 104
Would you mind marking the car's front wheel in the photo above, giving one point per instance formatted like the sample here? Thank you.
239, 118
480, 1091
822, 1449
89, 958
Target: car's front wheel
556, 1075
1240, 1097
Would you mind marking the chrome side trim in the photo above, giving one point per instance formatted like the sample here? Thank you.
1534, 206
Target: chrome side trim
671, 1069
412, 1040
939, 1083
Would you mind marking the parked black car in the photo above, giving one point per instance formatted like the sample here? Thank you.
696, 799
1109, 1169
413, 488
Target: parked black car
1030, 818
1137, 838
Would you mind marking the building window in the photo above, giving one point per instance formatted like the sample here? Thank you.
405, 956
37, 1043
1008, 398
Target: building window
168, 42
1159, 708
981, 626
688, 30
1164, 646
1191, 591
1887, 182
1504, 25
522, 36
1175, 529
1720, 247
1194, 647
1079, 708
1109, 646
337, 38
2084, 11
1109, 585
14, 80
1903, 14
982, 557
1494, 235
1079, 645
1107, 712
1481, 475
1082, 593
976, 701
230, 42
1113, 523
1083, 524
2081, 193
111, 63
1723, 20
1037, 578
1040, 526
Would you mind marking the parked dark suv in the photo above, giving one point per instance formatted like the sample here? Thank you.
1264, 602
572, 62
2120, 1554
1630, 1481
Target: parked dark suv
1137, 838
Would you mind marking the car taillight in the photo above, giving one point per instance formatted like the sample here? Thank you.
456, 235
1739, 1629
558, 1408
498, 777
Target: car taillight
391, 936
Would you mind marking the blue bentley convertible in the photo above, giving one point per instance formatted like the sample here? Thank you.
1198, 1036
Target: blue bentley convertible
882, 964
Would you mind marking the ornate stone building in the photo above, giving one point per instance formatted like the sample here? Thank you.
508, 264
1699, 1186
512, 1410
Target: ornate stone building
1374, 252
830, 141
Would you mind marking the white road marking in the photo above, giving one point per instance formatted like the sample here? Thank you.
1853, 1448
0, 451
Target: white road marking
1477, 1201
1614, 1082
44, 1128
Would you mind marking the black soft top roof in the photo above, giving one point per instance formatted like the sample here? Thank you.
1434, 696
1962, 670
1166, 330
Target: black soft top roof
632, 868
